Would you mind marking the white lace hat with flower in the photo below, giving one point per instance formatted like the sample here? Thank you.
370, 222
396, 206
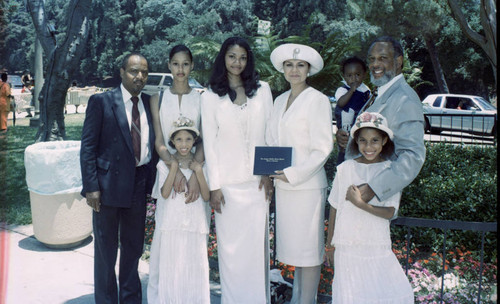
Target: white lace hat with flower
371, 120
183, 123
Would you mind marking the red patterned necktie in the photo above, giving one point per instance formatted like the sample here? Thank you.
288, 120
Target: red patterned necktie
372, 98
135, 129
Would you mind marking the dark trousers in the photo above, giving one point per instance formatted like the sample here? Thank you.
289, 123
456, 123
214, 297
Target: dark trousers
115, 226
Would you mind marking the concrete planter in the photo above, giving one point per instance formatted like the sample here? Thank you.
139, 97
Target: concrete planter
61, 217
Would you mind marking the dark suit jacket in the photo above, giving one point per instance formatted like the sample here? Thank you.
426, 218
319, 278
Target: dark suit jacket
106, 156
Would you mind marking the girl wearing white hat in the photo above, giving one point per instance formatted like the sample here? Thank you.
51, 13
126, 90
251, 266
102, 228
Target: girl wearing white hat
301, 119
358, 241
179, 270
234, 115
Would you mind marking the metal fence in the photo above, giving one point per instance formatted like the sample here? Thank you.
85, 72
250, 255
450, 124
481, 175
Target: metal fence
445, 225
461, 128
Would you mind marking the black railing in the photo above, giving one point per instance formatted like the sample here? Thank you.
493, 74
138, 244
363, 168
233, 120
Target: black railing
445, 225
461, 128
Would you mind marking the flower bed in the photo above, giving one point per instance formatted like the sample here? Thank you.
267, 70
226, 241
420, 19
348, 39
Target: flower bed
461, 279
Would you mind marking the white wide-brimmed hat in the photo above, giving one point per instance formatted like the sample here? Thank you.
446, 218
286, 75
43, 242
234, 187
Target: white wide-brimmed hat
183, 123
371, 120
297, 51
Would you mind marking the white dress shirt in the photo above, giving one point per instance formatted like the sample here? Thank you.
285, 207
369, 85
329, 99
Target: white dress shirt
145, 153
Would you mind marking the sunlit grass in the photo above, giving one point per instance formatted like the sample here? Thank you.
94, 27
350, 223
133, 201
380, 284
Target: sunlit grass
14, 196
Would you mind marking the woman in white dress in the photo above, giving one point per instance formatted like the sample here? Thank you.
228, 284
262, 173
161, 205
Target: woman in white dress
301, 119
179, 100
234, 111
359, 241
180, 264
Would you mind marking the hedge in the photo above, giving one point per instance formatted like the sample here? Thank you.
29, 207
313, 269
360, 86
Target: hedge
456, 182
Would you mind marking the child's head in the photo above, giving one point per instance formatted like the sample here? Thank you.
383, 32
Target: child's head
372, 137
183, 135
353, 71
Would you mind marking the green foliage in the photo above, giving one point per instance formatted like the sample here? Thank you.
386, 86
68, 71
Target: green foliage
17, 48
456, 183
154, 26
462, 179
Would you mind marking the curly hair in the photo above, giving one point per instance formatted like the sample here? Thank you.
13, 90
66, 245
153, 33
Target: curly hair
219, 82
387, 149
396, 45
353, 60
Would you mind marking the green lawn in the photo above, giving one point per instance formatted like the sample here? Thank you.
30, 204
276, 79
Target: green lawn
14, 195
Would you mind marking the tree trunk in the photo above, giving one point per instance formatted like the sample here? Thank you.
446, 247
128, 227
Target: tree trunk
63, 62
488, 42
438, 70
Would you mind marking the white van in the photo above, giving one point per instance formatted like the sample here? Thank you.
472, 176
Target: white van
158, 82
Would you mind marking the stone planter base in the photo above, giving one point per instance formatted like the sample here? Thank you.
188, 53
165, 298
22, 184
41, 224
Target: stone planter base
60, 220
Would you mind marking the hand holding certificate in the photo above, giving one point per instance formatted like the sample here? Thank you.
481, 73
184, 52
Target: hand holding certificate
269, 159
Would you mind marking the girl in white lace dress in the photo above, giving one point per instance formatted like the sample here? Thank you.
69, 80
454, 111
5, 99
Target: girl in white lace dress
180, 266
358, 242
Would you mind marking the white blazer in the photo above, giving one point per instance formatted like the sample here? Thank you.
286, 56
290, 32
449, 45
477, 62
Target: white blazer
229, 153
306, 127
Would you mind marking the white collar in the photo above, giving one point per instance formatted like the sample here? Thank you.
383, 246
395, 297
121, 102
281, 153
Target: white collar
362, 88
386, 86
126, 94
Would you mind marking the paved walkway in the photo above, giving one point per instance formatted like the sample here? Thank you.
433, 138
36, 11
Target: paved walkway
38, 274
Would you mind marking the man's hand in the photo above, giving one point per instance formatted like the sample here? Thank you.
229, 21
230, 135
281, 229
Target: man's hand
94, 200
342, 138
366, 192
217, 200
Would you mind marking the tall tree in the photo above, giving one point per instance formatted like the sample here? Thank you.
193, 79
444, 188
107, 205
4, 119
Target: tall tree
3, 29
19, 35
488, 39
407, 19
63, 62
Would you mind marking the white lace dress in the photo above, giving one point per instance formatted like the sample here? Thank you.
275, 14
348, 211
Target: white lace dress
178, 267
365, 268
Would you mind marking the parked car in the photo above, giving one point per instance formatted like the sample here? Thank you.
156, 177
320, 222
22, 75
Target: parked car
160, 81
15, 83
467, 113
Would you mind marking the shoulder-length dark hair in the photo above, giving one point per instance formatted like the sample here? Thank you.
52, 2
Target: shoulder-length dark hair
219, 82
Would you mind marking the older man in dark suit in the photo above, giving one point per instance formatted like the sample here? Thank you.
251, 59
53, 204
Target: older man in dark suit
116, 151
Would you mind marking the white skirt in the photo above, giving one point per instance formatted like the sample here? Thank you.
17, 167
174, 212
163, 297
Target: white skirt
369, 275
243, 246
178, 268
300, 216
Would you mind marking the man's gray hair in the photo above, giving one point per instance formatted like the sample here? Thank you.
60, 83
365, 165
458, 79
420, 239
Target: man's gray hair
396, 45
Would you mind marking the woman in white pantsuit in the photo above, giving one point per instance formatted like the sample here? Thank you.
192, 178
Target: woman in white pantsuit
301, 119
234, 115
